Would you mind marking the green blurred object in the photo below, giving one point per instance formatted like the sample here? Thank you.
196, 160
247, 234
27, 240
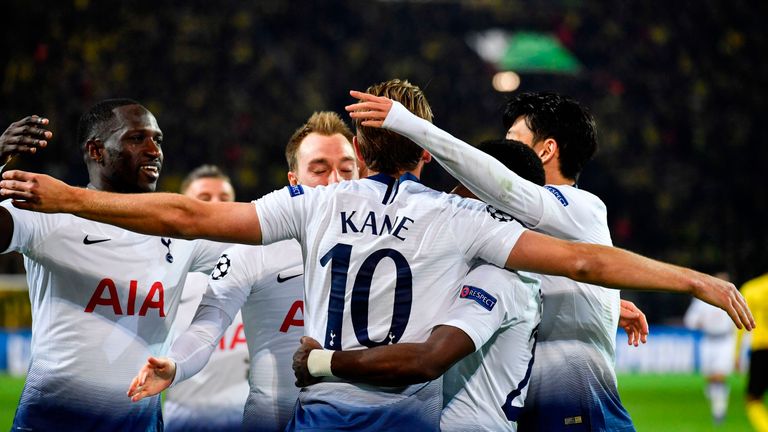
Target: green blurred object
538, 52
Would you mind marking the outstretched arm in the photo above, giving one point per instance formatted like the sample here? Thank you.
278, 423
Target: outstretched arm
617, 268
162, 214
188, 355
390, 365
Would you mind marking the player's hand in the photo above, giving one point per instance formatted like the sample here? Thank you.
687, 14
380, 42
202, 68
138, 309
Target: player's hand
155, 376
724, 295
300, 369
24, 136
38, 192
372, 110
633, 321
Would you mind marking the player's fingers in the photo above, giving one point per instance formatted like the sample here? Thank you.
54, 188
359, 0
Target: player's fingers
30, 130
749, 320
368, 97
367, 108
372, 123
132, 387
17, 175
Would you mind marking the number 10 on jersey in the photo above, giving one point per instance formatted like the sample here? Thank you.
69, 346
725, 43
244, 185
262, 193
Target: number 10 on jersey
339, 256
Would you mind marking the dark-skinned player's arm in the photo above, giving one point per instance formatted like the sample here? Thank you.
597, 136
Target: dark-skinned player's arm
25, 136
390, 365
161, 214
617, 268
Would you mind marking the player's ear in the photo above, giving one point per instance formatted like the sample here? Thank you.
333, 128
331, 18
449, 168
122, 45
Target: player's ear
426, 157
293, 180
95, 149
548, 150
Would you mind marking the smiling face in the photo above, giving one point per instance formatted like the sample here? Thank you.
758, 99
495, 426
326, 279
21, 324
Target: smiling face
130, 156
322, 160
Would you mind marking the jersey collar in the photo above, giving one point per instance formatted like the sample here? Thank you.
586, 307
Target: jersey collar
387, 179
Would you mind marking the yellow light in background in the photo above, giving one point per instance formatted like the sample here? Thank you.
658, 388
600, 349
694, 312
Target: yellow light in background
506, 81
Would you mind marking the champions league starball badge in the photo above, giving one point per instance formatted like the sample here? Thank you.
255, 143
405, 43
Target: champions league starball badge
498, 214
222, 268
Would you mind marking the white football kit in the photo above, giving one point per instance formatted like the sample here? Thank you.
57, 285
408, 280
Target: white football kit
500, 311
265, 283
103, 300
214, 398
718, 344
382, 259
576, 345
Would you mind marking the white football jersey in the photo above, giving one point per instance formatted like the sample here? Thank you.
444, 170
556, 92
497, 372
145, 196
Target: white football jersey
103, 300
266, 283
578, 325
215, 396
500, 310
382, 257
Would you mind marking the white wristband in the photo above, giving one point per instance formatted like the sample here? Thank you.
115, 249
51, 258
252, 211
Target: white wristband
319, 363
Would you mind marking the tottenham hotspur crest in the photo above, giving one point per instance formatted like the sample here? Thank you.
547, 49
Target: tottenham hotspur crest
498, 214
222, 268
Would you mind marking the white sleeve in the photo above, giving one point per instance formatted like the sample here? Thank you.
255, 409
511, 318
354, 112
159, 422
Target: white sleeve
192, 350
281, 213
485, 176
478, 307
29, 228
535, 206
229, 285
478, 234
206, 254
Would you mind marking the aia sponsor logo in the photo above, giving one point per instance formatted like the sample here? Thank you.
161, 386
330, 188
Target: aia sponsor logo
106, 296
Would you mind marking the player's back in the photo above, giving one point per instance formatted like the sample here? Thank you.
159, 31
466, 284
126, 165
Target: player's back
382, 257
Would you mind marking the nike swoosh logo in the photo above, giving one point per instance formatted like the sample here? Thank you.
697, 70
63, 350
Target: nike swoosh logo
283, 279
88, 241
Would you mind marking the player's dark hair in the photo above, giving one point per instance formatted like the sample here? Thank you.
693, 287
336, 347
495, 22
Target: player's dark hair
550, 115
203, 171
516, 156
98, 114
386, 151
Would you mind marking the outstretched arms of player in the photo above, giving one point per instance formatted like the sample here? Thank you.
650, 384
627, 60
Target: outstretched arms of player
27, 135
617, 268
162, 214
188, 355
390, 365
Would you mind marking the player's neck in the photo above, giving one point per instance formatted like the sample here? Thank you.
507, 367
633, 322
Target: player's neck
415, 172
553, 176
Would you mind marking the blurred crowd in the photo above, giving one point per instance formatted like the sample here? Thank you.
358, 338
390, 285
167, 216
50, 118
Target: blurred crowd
678, 90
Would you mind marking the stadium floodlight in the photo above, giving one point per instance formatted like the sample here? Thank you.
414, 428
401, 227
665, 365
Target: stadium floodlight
506, 81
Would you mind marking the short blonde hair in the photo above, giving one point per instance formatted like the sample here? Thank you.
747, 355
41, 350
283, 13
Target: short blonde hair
385, 151
326, 123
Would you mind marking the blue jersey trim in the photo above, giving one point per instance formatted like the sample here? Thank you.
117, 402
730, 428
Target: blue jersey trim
295, 190
559, 195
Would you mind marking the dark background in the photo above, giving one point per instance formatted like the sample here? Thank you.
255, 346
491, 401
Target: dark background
677, 88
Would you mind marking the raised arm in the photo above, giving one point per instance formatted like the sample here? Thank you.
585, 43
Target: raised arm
390, 365
162, 214
617, 268
482, 174
27, 135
